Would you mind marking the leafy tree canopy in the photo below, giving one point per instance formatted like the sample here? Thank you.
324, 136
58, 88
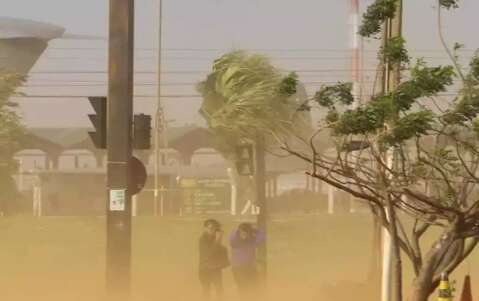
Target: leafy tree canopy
411, 150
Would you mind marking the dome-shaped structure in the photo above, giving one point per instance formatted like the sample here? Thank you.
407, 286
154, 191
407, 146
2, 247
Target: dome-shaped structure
12, 28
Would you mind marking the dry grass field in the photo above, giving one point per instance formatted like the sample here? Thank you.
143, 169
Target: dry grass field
313, 257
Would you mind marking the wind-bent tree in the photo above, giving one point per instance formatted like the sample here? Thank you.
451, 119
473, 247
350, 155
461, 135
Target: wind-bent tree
245, 96
246, 99
11, 131
409, 154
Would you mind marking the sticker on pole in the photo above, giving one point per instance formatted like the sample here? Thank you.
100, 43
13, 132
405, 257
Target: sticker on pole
117, 200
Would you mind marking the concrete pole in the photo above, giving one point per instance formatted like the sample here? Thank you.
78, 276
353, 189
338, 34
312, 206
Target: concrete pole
134, 206
36, 201
386, 285
393, 28
119, 133
162, 201
234, 191
308, 183
387, 251
331, 192
275, 186
40, 205
20, 175
155, 201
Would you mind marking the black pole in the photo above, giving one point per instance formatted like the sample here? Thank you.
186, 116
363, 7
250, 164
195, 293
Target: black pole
260, 180
119, 132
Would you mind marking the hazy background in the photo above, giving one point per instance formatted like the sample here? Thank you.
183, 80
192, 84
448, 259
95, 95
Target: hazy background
312, 257
311, 36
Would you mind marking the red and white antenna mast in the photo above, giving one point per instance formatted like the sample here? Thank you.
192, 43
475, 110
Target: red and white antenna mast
355, 53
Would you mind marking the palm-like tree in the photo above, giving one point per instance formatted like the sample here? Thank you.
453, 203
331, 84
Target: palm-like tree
245, 97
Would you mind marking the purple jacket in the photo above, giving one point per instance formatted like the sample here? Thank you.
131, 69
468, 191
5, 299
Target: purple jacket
243, 252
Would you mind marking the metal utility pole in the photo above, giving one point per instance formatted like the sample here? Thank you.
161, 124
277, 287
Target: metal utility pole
356, 55
391, 80
119, 133
160, 122
260, 185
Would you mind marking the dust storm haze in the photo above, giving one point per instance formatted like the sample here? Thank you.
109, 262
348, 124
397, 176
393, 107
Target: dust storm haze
56, 188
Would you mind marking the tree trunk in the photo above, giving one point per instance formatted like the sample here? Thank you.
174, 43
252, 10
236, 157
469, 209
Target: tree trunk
424, 284
421, 289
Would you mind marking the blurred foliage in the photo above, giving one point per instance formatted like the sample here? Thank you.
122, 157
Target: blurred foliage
396, 106
381, 10
466, 108
449, 3
375, 15
395, 51
11, 132
412, 125
328, 96
475, 67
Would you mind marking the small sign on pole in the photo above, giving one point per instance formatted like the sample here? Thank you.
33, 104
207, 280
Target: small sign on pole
117, 199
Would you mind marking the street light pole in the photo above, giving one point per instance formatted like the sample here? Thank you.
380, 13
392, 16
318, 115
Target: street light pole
119, 145
160, 126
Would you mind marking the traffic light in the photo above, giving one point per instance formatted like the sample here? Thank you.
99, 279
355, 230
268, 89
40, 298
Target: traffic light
142, 131
99, 121
245, 159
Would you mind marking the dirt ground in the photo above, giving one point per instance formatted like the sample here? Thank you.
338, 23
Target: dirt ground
311, 257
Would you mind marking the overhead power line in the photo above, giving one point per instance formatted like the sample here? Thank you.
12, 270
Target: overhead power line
184, 71
171, 84
188, 96
371, 59
255, 49
86, 96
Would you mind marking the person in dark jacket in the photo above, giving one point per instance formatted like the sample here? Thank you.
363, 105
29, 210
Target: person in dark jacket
213, 258
244, 242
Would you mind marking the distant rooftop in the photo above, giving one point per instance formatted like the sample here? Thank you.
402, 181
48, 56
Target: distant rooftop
77, 138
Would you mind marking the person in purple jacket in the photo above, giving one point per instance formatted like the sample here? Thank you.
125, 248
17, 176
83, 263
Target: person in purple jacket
244, 242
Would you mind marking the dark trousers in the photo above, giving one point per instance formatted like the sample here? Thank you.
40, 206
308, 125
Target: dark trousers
246, 278
209, 279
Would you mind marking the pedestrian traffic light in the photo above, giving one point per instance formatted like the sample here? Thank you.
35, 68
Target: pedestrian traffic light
245, 159
142, 131
99, 121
